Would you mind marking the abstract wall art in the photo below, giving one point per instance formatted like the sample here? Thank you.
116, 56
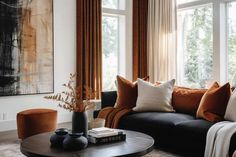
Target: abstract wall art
26, 47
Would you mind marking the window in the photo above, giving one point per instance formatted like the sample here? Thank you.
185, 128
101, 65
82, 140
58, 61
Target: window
231, 42
110, 50
206, 42
195, 45
116, 40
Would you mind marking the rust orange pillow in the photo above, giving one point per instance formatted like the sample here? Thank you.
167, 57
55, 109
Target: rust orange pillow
127, 92
214, 102
187, 100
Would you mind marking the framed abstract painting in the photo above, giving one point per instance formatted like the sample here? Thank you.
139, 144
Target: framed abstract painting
26, 47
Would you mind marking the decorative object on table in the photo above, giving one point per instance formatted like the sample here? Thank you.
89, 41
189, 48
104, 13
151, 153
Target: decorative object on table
26, 39
109, 139
71, 99
58, 137
79, 123
105, 135
75, 141
96, 123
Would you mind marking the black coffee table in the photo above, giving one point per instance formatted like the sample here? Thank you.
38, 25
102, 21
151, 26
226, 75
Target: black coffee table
136, 144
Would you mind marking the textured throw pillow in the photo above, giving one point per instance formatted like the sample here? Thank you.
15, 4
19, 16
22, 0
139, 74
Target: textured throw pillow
187, 100
127, 93
230, 113
154, 98
214, 102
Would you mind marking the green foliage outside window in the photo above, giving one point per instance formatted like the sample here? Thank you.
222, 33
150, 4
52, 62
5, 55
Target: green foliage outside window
198, 47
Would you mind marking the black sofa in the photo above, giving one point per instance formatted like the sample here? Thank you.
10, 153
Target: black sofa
175, 132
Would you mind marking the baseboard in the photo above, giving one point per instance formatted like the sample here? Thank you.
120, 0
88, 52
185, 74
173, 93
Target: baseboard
7, 125
11, 124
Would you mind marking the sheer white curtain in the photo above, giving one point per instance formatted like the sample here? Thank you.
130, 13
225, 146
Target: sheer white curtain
162, 32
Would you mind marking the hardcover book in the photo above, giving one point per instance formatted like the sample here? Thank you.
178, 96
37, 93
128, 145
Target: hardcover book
108, 139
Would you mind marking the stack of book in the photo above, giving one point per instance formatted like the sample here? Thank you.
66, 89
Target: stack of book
105, 135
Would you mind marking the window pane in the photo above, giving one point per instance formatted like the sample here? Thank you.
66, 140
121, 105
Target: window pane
114, 4
111, 4
232, 43
195, 46
110, 41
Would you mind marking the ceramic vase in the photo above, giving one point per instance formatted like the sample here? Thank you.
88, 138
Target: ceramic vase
75, 141
57, 138
80, 123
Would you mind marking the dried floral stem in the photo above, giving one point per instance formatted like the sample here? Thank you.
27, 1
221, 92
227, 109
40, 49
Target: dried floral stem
71, 98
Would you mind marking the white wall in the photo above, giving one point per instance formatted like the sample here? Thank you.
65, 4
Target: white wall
64, 63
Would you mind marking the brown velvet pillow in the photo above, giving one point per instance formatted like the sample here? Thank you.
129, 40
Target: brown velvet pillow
187, 100
214, 102
127, 93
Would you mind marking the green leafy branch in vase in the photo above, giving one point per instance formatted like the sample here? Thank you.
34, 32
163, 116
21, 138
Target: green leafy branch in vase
71, 98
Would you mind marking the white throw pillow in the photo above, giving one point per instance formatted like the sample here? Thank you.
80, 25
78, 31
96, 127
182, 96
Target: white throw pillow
154, 98
230, 113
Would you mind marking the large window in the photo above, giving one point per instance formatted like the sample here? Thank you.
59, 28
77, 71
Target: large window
115, 40
195, 45
231, 42
206, 42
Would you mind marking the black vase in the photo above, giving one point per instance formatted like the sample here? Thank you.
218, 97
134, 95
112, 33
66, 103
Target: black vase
80, 123
57, 138
75, 141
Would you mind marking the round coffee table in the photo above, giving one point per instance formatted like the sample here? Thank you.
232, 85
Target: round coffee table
136, 144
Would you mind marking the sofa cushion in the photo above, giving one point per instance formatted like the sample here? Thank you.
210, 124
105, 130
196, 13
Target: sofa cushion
231, 108
186, 100
193, 130
214, 102
154, 98
127, 93
192, 136
154, 119
159, 125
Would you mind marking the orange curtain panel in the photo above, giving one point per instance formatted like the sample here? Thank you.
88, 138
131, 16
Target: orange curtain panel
89, 45
140, 21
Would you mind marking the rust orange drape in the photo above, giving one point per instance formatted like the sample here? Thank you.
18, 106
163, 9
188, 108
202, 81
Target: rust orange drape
89, 44
140, 21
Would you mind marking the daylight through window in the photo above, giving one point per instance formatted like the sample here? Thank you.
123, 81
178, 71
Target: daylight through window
206, 42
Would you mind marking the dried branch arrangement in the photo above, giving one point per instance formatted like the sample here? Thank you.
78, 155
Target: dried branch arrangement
71, 98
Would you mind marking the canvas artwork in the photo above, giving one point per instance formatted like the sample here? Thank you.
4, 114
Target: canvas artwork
26, 47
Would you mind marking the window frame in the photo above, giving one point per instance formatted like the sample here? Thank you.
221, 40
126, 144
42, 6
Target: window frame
227, 36
220, 52
124, 12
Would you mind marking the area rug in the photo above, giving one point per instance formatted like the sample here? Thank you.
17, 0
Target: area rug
10, 149
13, 150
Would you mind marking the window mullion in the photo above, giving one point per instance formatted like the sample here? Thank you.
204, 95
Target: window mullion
114, 11
219, 42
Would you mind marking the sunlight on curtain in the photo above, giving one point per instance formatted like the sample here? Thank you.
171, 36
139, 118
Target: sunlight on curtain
162, 39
